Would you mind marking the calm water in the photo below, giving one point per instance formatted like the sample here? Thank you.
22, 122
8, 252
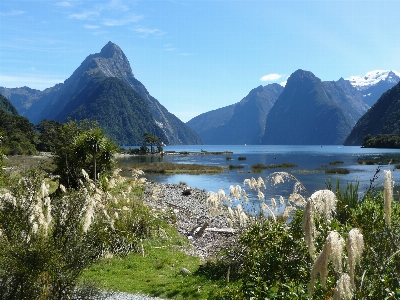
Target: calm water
310, 160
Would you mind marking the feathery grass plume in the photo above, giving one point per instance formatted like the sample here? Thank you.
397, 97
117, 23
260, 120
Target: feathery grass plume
260, 195
243, 219
244, 195
355, 247
309, 227
89, 213
297, 200
278, 179
260, 183
331, 252
273, 203
324, 202
62, 188
281, 200
85, 175
388, 195
252, 183
287, 211
265, 207
213, 199
343, 290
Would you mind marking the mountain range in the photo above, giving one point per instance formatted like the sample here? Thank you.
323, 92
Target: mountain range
306, 111
79, 97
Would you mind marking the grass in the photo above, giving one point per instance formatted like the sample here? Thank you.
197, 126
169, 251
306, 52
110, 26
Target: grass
337, 171
231, 167
166, 167
157, 273
241, 158
336, 162
257, 167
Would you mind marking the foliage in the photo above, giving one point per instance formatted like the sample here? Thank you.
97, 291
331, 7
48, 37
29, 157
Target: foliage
7, 106
48, 134
152, 141
47, 240
82, 145
382, 141
19, 137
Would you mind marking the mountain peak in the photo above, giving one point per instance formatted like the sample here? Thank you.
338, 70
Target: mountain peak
110, 50
373, 77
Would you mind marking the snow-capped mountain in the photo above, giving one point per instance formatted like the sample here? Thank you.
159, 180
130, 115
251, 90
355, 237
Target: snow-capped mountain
374, 83
373, 77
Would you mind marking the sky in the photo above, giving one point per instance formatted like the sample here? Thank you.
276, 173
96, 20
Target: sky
196, 56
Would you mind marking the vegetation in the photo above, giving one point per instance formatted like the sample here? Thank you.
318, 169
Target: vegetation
18, 136
337, 171
259, 167
382, 141
82, 145
50, 234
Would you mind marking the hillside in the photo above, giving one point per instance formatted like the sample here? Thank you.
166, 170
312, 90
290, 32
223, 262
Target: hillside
117, 108
240, 123
311, 112
382, 118
7, 106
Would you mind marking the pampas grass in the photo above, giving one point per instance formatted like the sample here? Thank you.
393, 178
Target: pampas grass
388, 195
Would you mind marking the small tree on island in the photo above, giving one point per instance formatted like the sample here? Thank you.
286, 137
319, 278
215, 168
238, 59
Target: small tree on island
152, 141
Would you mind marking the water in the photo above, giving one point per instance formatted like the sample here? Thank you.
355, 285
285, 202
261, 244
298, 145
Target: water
310, 161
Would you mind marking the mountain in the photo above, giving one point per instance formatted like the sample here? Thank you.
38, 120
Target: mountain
383, 117
240, 123
312, 112
7, 106
374, 84
110, 62
117, 108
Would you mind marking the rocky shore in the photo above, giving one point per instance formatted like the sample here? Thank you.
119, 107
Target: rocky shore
207, 232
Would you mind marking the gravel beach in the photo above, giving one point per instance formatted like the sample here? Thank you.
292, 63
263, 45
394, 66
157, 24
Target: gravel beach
208, 233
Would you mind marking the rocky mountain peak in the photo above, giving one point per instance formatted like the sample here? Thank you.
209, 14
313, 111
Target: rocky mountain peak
112, 62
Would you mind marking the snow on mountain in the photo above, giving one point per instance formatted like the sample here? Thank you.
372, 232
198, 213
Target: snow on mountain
374, 77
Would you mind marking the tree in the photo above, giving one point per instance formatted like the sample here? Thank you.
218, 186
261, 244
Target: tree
48, 134
83, 145
152, 141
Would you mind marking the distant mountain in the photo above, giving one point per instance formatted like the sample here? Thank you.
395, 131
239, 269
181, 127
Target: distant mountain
374, 84
382, 118
240, 123
7, 106
110, 62
312, 112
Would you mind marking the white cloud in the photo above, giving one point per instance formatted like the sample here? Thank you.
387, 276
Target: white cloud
117, 5
85, 15
87, 26
12, 13
271, 77
147, 31
64, 4
123, 21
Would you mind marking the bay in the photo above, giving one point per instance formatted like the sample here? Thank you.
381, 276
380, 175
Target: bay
311, 163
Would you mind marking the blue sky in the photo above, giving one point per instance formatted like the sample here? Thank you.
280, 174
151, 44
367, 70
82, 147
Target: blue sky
196, 56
